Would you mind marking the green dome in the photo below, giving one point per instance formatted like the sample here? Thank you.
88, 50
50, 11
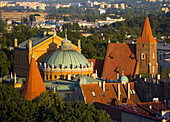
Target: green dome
67, 58
123, 78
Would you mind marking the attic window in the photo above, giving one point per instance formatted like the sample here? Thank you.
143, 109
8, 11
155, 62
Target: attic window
103, 94
111, 55
132, 91
93, 93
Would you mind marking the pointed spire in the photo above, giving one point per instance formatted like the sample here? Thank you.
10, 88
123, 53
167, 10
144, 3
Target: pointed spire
146, 36
66, 34
34, 85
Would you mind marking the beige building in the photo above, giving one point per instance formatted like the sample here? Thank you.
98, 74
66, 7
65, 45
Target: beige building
16, 16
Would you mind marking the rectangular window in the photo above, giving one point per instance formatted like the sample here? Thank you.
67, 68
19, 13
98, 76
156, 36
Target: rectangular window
160, 57
153, 69
153, 55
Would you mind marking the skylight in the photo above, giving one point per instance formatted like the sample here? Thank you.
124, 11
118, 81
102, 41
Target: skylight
103, 94
93, 93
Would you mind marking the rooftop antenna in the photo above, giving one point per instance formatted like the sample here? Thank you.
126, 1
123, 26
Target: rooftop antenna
65, 33
123, 72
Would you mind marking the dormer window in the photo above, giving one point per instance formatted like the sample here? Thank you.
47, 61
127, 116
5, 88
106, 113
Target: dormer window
132, 91
142, 56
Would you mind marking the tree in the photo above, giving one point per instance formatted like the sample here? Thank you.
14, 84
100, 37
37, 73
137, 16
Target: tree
46, 107
4, 64
2, 26
13, 107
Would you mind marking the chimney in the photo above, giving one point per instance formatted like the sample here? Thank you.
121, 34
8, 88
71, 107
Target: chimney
117, 75
79, 43
140, 76
68, 76
104, 86
54, 33
118, 91
54, 90
150, 106
145, 79
11, 76
109, 40
15, 79
158, 77
152, 76
96, 73
15, 42
100, 83
128, 88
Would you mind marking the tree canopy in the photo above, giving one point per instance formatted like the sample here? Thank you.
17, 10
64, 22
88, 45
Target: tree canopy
46, 107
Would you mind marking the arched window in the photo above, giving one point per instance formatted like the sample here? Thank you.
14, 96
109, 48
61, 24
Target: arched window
142, 56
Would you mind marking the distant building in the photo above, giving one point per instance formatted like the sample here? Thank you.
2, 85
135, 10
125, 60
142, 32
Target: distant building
16, 16
122, 6
163, 58
116, 5
102, 11
76, 4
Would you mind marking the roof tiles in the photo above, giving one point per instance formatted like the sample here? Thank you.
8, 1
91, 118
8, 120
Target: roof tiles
119, 57
110, 96
146, 36
34, 85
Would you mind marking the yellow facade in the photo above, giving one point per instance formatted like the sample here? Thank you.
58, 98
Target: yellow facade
22, 58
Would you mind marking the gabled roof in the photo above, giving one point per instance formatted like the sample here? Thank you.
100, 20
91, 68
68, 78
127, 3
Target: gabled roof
97, 64
146, 36
34, 85
110, 96
35, 40
119, 57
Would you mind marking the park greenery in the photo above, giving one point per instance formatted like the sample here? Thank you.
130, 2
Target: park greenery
46, 107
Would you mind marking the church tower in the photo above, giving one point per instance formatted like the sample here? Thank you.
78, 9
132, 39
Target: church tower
146, 51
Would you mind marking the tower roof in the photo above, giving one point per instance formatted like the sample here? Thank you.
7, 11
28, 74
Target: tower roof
34, 85
146, 36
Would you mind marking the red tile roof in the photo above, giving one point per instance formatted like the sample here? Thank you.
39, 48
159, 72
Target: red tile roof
146, 36
114, 112
155, 107
142, 111
110, 95
119, 57
34, 85
97, 64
